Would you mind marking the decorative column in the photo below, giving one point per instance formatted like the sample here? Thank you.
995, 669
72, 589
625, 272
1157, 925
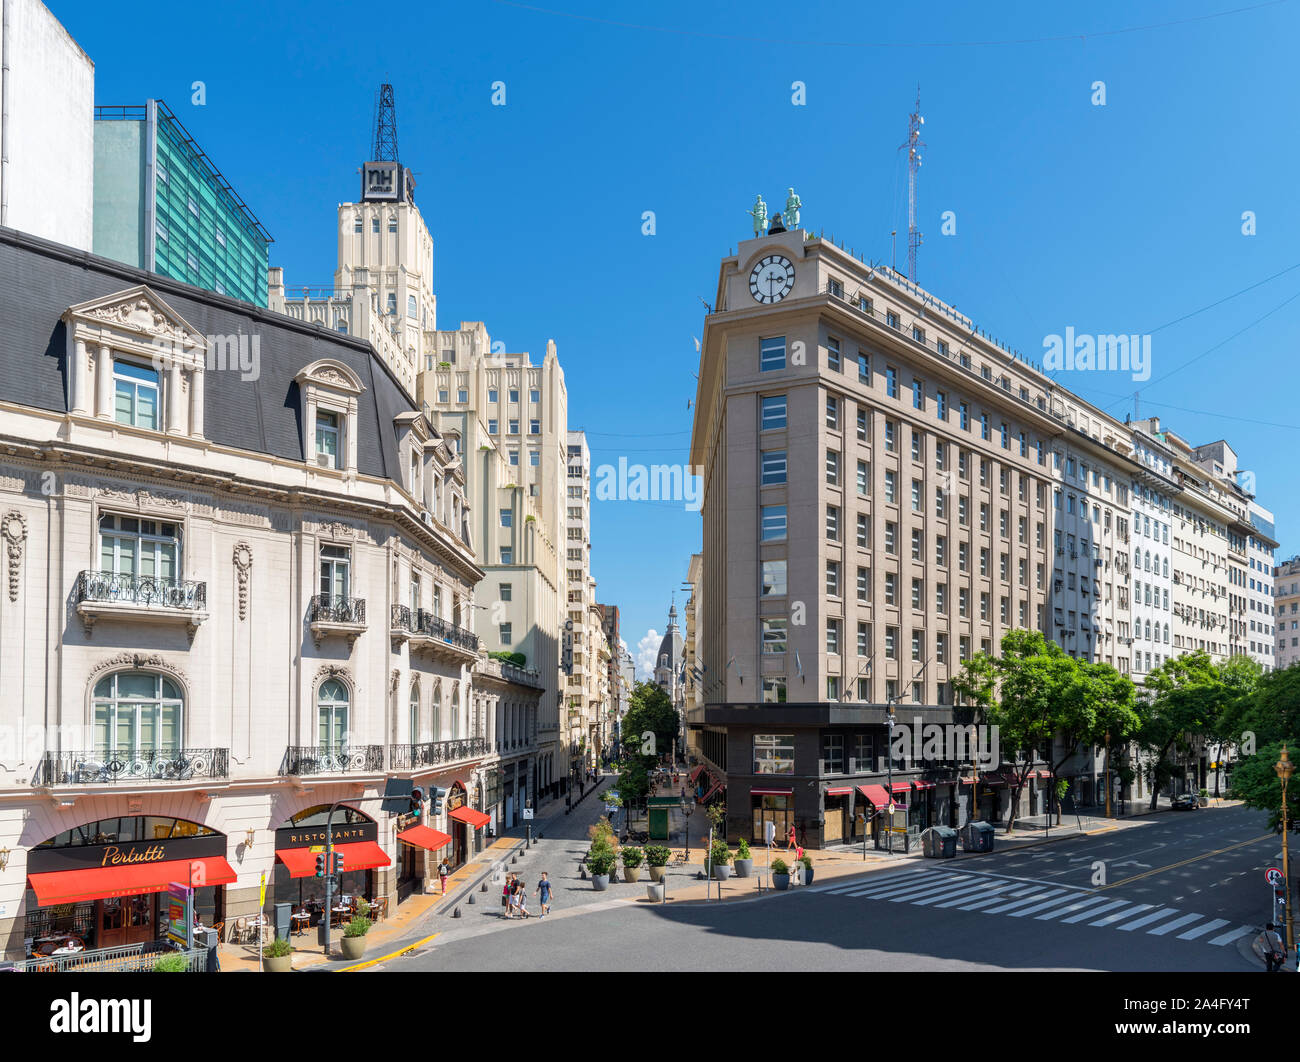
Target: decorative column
104, 383
174, 392
196, 401
77, 395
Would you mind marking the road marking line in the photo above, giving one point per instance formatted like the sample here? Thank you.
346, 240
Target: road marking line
1053, 903
873, 883
1173, 866
1169, 927
1200, 931
967, 891
385, 958
1078, 905
1028, 900
1137, 908
1228, 938
995, 888
1146, 920
911, 895
921, 884
1095, 911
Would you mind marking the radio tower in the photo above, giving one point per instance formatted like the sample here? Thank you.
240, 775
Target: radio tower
914, 142
385, 146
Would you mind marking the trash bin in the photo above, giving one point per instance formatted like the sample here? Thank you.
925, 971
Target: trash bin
939, 842
977, 837
283, 917
209, 939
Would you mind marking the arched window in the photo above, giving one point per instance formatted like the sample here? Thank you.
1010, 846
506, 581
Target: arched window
435, 708
455, 711
1148, 629
1137, 559
415, 712
1166, 634
1166, 572
332, 712
137, 715
1146, 561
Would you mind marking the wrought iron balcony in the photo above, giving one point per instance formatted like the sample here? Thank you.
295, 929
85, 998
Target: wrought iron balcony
439, 630
333, 759
434, 753
107, 766
146, 597
332, 614
400, 618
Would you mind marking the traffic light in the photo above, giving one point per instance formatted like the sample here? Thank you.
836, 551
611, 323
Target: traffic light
320, 865
338, 862
437, 795
417, 800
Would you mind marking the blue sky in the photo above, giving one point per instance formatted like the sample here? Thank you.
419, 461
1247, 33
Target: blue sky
1119, 218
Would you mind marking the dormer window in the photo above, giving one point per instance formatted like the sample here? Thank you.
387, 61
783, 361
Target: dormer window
136, 392
327, 439
328, 391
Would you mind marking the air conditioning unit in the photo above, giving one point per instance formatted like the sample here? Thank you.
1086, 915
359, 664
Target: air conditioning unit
324, 461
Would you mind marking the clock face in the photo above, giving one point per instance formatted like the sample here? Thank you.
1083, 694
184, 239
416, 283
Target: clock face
771, 279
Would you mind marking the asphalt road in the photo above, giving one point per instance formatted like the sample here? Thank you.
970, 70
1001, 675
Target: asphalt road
1181, 891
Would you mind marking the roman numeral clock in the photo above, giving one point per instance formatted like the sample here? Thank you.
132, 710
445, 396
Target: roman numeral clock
771, 279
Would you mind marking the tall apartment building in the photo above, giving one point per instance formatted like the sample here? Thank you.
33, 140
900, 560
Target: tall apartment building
1287, 616
887, 493
230, 604
161, 205
47, 128
582, 690
1260, 586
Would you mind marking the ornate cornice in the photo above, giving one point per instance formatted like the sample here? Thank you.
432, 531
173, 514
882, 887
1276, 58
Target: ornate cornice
140, 661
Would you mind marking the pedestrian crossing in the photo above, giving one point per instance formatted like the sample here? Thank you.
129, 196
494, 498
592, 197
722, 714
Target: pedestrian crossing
1012, 897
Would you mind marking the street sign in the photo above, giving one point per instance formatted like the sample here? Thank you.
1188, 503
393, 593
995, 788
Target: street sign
769, 832
528, 813
261, 902
891, 807
1273, 876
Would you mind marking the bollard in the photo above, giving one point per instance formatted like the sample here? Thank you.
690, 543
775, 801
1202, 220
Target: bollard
471, 898
514, 859
483, 887
455, 913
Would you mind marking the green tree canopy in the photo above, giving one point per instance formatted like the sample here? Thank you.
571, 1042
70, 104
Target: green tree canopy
651, 709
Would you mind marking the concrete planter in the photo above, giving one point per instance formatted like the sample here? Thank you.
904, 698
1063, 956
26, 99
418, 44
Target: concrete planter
655, 892
631, 874
277, 963
744, 868
353, 947
600, 882
722, 871
1203, 801
658, 873
780, 882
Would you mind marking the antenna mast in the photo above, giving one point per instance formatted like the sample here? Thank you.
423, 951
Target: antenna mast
914, 142
385, 145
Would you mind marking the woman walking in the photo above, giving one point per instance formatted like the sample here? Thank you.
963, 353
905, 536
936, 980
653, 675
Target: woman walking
505, 896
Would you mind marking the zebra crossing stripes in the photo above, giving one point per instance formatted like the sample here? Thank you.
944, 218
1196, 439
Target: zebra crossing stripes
993, 894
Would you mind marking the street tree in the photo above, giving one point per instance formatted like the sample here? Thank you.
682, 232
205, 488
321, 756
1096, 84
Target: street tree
1185, 696
651, 710
1255, 783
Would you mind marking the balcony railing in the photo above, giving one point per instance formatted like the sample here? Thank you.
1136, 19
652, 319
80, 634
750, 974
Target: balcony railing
400, 618
147, 591
133, 766
329, 759
330, 608
434, 627
434, 753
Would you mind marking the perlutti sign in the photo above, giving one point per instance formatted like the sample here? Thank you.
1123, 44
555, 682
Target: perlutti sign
116, 856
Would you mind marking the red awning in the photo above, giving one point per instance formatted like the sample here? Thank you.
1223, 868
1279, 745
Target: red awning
901, 787
839, 790
1045, 775
774, 792
97, 883
968, 781
709, 794
423, 837
695, 771
1012, 776
994, 780
923, 785
359, 855
469, 816
876, 794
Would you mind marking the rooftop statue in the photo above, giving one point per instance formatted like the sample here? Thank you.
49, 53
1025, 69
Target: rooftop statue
759, 214
792, 206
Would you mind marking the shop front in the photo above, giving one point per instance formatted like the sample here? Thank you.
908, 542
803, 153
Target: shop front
991, 788
837, 816
771, 805
465, 822
103, 884
354, 837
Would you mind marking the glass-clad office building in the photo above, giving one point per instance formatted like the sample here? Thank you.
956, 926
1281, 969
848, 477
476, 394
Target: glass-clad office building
161, 205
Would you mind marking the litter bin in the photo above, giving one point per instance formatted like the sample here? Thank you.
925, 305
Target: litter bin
939, 842
977, 837
209, 939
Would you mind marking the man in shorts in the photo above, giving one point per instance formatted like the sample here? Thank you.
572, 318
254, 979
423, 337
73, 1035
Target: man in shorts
544, 894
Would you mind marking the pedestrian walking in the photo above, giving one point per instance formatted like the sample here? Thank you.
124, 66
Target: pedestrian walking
523, 899
443, 871
791, 843
515, 890
544, 895
1268, 946
505, 896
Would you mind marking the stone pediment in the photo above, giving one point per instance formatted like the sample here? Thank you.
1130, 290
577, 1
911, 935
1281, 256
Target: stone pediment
138, 313
331, 374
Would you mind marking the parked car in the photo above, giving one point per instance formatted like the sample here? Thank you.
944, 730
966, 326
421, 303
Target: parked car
1186, 802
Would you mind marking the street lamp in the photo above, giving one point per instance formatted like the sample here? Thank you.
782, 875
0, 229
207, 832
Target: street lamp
1285, 768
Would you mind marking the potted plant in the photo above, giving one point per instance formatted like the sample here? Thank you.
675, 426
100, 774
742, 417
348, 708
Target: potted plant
354, 933
601, 861
172, 962
807, 869
656, 857
780, 875
1205, 798
719, 858
632, 857
744, 862
278, 956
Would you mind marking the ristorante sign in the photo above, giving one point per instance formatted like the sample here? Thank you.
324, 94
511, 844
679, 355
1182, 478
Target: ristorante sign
125, 853
342, 833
